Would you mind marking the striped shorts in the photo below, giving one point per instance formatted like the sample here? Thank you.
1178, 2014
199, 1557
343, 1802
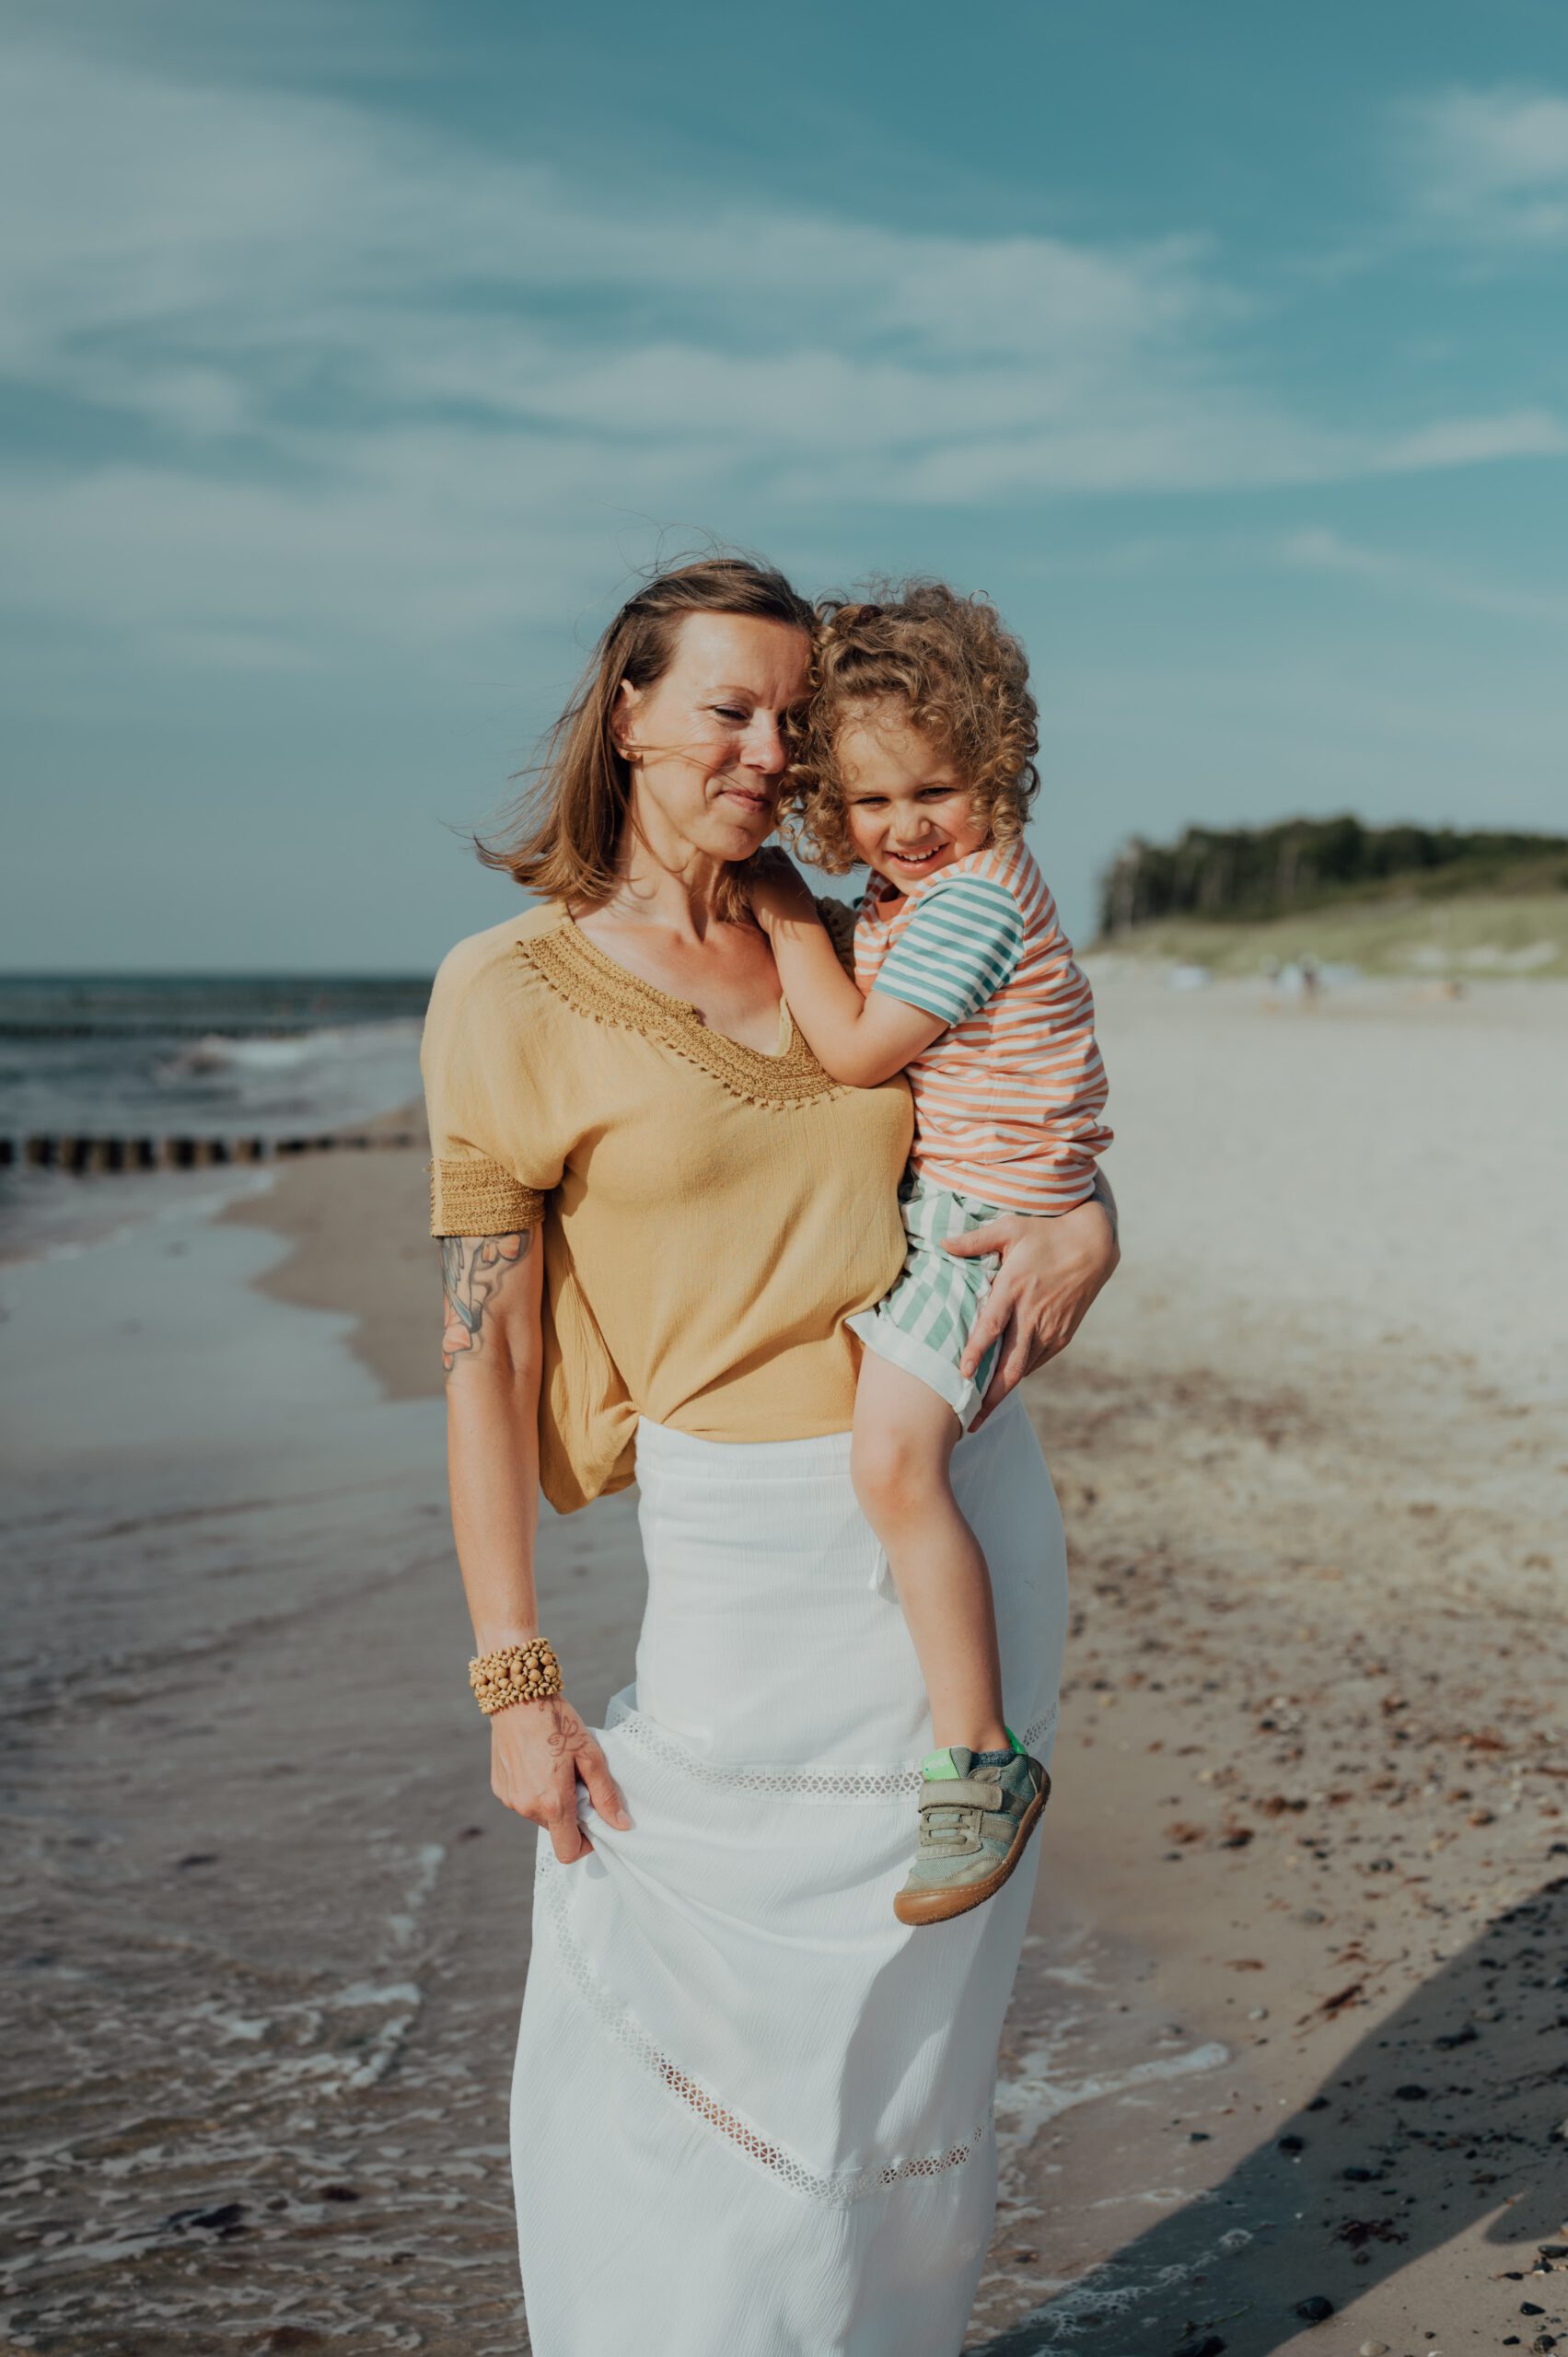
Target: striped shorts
925, 1322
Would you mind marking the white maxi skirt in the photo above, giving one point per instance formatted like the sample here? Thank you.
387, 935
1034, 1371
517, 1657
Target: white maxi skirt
751, 2116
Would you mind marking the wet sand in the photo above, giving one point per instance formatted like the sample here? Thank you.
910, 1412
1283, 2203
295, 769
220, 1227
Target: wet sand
1291, 2024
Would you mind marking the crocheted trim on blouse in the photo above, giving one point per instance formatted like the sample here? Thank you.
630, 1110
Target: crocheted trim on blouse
841, 2187
873, 1785
592, 984
473, 1197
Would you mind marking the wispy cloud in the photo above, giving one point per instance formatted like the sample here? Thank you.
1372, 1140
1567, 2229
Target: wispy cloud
1476, 441
1320, 551
1488, 167
319, 368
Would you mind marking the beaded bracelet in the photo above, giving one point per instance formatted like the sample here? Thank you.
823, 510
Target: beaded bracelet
528, 1673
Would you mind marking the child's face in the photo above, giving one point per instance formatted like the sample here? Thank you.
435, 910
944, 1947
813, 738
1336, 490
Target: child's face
907, 808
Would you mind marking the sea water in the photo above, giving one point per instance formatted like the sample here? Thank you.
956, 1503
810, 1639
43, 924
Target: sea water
188, 1055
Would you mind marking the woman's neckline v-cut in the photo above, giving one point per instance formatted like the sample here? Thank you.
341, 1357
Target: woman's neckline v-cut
785, 1029
598, 986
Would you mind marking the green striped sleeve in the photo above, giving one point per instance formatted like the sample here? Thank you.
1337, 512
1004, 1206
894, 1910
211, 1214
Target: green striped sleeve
960, 947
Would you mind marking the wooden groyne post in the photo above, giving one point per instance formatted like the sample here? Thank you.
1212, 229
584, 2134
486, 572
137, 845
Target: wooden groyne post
90, 1157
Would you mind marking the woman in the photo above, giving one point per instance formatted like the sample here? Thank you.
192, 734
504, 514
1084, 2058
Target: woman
750, 2113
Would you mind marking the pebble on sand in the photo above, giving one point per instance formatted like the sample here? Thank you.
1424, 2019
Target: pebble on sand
1316, 2310
1374, 2349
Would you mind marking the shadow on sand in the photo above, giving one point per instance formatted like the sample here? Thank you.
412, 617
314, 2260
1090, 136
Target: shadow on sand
1428, 2126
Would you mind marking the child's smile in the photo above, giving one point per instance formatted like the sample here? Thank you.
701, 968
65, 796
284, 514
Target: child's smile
918, 861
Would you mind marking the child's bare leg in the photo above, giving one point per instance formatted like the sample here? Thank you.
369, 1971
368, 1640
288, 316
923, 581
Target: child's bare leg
904, 1439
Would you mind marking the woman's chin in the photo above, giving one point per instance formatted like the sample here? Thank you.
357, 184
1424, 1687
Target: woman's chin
735, 840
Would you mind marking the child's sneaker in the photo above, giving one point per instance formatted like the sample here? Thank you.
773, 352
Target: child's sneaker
975, 1821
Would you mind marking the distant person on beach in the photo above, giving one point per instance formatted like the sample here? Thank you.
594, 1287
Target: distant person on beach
916, 758
751, 2110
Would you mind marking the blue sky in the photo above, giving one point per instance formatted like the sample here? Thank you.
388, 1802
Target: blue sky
355, 353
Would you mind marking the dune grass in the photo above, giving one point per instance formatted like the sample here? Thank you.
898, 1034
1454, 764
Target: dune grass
1476, 936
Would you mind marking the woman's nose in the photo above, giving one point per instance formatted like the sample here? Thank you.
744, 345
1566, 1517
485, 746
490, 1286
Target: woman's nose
764, 747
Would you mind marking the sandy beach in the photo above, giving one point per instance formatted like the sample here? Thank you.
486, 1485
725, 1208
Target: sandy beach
1287, 2065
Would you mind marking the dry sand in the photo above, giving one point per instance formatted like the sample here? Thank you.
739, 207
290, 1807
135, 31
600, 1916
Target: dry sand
1291, 2024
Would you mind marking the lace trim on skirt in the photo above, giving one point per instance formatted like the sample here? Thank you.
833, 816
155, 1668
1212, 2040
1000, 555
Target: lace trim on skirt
842, 2186
793, 1783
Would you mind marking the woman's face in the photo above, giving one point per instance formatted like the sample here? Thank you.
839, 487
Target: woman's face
704, 742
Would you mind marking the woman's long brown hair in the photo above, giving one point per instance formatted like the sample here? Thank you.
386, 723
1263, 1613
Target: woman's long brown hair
565, 839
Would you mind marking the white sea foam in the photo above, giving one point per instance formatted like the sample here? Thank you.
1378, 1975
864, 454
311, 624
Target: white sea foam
48, 1217
1031, 2097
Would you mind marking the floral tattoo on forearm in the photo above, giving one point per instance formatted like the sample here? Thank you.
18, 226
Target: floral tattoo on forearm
473, 1270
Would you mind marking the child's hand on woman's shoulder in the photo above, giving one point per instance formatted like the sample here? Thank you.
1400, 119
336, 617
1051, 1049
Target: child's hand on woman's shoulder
777, 890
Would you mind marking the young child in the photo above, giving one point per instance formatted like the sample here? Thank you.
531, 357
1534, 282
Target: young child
917, 756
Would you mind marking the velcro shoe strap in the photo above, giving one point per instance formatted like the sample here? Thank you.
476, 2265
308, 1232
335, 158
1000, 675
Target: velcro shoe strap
959, 1791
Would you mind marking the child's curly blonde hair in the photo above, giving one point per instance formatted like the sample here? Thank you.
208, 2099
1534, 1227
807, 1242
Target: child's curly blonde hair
956, 673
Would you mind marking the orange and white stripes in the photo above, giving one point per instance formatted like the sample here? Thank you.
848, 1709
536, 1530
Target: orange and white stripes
1007, 1100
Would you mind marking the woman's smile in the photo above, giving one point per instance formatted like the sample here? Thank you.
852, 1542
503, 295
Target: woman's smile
754, 800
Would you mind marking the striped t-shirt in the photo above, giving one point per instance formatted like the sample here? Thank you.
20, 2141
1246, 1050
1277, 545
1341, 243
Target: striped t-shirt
1007, 1100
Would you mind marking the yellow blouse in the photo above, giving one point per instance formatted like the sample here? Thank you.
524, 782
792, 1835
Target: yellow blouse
712, 1215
